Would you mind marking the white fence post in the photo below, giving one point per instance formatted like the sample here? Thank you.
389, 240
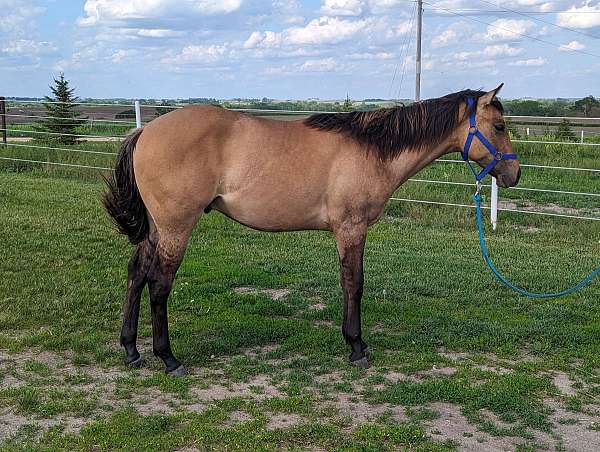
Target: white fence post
494, 204
582, 136
138, 114
527, 131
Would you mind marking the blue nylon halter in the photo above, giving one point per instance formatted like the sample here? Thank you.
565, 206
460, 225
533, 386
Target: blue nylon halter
498, 156
474, 132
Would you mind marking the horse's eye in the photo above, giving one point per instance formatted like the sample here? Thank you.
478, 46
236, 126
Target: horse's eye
500, 127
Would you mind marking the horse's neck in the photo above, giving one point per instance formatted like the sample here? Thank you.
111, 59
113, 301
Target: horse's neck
411, 161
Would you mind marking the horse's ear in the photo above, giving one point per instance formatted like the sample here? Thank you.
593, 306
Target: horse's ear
487, 98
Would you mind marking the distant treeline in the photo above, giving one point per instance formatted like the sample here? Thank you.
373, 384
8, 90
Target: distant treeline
587, 107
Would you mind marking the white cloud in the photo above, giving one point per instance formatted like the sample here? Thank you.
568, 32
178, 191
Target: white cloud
321, 65
26, 48
445, 38
325, 30
508, 29
198, 55
492, 51
372, 56
531, 62
122, 55
342, 7
159, 33
309, 66
19, 32
107, 11
572, 46
586, 16
501, 50
384, 5
18, 15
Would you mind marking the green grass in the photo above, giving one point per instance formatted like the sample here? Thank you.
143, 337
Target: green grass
97, 128
63, 277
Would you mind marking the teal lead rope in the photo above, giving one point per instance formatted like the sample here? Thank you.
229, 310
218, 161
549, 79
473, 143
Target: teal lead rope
584, 282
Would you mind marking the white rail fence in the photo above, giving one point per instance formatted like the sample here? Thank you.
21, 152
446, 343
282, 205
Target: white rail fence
494, 207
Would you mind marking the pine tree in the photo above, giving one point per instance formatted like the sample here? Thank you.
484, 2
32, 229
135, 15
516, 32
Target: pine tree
564, 132
60, 112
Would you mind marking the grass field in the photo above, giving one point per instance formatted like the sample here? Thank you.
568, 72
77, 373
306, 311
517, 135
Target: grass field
459, 362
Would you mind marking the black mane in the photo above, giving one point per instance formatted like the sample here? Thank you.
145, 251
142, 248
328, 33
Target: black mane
390, 131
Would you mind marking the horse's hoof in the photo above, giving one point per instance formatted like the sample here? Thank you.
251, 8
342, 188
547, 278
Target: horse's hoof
178, 372
362, 363
136, 363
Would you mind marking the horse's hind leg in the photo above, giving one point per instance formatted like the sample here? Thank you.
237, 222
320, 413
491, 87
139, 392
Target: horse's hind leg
138, 267
169, 254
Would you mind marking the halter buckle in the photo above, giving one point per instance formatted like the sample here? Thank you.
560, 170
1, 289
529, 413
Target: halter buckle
473, 130
499, 155
478, 187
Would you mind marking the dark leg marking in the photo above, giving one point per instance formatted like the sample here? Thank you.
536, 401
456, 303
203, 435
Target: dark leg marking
160, 280
351, 248
138, 267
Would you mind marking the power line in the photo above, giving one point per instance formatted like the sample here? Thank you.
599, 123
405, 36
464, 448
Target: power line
403, 54
540, 20
498, 11
407, 49
509, 30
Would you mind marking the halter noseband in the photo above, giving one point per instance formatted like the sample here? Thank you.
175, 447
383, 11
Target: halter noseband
474, 132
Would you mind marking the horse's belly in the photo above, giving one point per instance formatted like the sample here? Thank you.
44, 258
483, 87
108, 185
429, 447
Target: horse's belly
276, 215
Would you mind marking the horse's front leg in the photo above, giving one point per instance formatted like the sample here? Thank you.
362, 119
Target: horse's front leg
351, 244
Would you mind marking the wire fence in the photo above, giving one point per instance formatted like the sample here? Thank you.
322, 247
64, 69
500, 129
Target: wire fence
137, 109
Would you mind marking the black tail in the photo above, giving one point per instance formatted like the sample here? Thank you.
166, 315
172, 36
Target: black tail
122, 200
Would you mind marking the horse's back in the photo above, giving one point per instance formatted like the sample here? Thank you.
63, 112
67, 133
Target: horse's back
245, 167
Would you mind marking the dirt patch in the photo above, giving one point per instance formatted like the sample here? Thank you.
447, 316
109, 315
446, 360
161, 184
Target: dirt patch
238, 417
495, 369
395, 377
275, 294
154, 402
245, 390
438, 372
10, 423
564, 384
578, 435
327, 323
453, 356
360, 412
452, 425
284, 421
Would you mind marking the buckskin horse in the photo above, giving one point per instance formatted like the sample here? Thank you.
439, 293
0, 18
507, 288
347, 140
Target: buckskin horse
331, 171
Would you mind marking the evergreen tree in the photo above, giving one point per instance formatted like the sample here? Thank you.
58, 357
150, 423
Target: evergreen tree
564, 132
60, 112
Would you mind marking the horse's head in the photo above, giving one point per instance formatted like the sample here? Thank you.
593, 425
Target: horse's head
490, 123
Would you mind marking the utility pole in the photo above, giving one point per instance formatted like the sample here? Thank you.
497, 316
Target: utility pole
419, 38
3, 119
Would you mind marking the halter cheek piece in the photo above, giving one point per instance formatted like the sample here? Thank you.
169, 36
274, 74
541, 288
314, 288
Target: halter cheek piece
474, 132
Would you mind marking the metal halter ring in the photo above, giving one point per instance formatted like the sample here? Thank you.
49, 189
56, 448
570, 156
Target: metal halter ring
473, 129
498, 156
478, 186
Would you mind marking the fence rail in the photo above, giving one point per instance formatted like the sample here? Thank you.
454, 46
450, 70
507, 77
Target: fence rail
137, 108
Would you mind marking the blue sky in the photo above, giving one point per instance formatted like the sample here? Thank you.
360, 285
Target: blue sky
296, 49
